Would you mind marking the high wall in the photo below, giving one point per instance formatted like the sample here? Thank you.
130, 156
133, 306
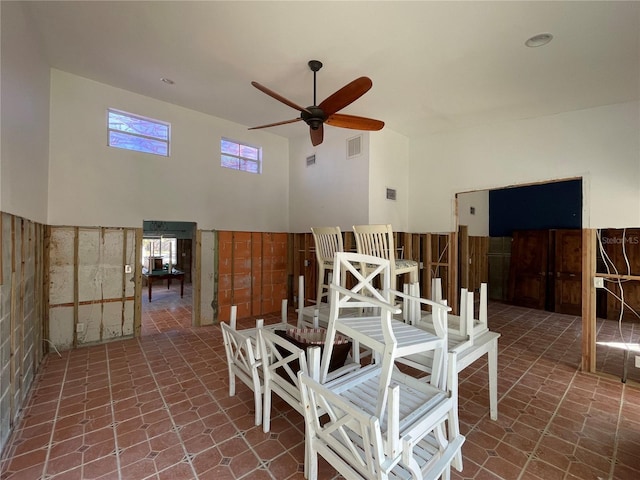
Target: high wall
348, 191
24, 137
333, 191
92, 184
24, 117
601, 145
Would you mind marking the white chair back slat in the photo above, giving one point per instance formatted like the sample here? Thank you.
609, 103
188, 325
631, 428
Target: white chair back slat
328, 241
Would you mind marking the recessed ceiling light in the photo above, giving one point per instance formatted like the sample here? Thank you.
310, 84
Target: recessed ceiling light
168, 81
539, 40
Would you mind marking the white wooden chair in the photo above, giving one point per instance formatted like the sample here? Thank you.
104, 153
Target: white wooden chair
243, 356
421, 408
281, 361
465, 325
469, 337
377, 240
242, 364
328, 241
352, 439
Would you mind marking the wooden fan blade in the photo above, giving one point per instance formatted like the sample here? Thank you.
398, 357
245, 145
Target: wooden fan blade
276, 124
279, 97
356, 123
346, 95
316, 135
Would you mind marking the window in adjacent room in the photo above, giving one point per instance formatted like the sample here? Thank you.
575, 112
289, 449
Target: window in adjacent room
134, 132
156, 248
240, 156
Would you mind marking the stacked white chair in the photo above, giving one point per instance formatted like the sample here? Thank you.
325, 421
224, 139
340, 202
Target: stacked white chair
410, 413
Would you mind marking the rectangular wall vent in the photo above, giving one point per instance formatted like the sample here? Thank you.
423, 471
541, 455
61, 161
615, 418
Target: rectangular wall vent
391, 193
354, 146
311, 160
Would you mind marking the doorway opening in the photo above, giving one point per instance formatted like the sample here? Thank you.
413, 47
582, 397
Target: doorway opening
167, 276
557, 289
534, 242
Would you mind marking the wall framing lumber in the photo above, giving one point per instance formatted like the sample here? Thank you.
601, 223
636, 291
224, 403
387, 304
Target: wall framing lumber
588, 301
76, 284
1, 270
463, 232
21, 309
46, 285
196, 283
13, 375
124, 281
137, 310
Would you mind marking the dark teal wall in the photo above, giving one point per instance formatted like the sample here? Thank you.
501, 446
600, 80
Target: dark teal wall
535, 207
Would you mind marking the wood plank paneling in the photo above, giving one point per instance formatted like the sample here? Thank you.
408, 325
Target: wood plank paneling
21, 314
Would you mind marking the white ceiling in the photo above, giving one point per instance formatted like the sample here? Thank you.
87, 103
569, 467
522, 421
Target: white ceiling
435, 66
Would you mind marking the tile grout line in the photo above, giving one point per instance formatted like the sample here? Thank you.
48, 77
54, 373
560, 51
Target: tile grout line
187, 456
113, 414
541, 355
526, 371
246, 475
553, 416
614, 454
55, 417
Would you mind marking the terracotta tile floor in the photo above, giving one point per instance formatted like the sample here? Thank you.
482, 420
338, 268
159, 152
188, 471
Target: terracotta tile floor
167, 310
157, 407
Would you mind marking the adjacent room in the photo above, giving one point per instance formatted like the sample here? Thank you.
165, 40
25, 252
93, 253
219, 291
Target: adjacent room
189, 190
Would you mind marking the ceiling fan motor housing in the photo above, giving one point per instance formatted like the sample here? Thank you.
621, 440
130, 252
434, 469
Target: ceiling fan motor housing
315, 118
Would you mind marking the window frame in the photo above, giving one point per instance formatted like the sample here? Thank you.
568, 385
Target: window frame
166, 141
170, 254
240, 158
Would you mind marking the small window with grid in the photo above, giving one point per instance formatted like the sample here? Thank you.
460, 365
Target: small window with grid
141, 134
240, 156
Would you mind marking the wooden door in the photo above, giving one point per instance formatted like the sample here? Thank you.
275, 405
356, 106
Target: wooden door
528, 269
568, 272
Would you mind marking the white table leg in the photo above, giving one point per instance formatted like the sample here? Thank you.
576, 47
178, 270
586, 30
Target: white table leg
493, 379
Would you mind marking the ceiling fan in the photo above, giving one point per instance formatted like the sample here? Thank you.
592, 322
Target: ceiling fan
317, 115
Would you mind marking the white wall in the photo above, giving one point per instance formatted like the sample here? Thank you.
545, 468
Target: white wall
24, 117
389, 168
91, 184
478, 222
334, 191
601, 145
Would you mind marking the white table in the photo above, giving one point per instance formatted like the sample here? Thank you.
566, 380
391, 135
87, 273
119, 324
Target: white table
467, 352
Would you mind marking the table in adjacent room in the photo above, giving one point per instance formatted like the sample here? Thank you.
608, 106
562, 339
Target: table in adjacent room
159, 275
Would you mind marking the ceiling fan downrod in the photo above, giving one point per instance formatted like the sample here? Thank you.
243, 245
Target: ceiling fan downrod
314, 65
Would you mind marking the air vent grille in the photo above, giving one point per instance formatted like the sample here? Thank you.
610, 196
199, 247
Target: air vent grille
354, 146
391, 193
311, 160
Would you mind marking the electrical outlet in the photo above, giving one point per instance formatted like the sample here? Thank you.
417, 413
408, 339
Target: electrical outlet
598, 282
127, 269
637, 361
80, 328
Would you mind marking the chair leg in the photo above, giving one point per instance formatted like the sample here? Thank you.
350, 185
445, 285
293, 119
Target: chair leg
266, 410
257, 399
232, 382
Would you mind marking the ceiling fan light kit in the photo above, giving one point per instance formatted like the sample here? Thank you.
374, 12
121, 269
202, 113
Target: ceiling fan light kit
315, 116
